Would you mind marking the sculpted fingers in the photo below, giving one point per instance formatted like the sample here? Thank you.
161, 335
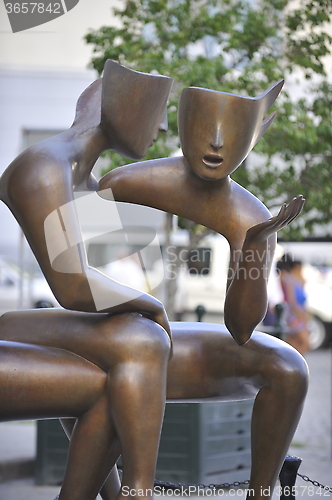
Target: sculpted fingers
293, 209
278, 221
280, 218
297, 205
288, 212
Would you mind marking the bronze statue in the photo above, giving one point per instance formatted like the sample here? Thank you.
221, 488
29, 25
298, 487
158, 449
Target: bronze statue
122, 111
217, 131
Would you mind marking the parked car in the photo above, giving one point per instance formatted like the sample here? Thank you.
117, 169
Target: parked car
319, 304
22, 291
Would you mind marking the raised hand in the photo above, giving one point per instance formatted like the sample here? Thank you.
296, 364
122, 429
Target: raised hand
288, 212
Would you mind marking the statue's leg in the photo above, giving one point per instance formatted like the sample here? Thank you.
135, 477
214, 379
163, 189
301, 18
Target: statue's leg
208, 363
137, 351
39, 382
137, 391
91, 450
282, 375
134, 352
112, 485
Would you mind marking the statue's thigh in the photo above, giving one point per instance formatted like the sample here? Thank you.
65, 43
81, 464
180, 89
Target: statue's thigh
208, 363
203, 363
100, 338
46, 382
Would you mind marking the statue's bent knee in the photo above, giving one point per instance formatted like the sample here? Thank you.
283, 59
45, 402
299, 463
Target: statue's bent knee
131, 336
288, 369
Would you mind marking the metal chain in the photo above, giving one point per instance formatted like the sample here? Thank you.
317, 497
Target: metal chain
315, 483
184, 486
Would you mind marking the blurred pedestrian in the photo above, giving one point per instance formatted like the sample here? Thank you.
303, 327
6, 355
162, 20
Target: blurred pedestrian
296, 316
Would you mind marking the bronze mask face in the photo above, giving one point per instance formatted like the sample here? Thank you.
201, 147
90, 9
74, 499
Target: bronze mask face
133, 108
218, 130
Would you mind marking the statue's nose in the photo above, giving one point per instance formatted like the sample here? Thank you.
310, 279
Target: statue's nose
163, 125
217, 142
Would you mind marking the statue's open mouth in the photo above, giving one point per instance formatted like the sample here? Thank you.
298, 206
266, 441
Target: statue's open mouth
212, 161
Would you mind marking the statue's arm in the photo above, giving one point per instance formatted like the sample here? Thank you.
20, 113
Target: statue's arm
246, 298
39, 194
122, 184
151, 183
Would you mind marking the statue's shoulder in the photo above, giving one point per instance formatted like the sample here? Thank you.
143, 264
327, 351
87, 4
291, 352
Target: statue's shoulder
159, 174
248, 205
244, 211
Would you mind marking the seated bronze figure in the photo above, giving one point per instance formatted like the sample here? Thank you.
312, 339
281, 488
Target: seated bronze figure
217, 132
128, 351
122, 111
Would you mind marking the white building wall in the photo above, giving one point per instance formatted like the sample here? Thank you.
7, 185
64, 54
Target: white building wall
33, 99
43, 70
36, 99
58, 44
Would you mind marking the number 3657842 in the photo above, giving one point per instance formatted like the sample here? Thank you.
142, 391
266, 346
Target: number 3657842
33, 7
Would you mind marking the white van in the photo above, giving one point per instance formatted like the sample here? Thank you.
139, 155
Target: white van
205, 284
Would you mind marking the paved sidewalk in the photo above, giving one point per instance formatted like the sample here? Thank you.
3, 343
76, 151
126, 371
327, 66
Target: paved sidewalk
313, 438
312, 442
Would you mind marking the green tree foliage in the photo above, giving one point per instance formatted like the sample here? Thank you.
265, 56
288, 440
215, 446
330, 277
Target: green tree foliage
241, 46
